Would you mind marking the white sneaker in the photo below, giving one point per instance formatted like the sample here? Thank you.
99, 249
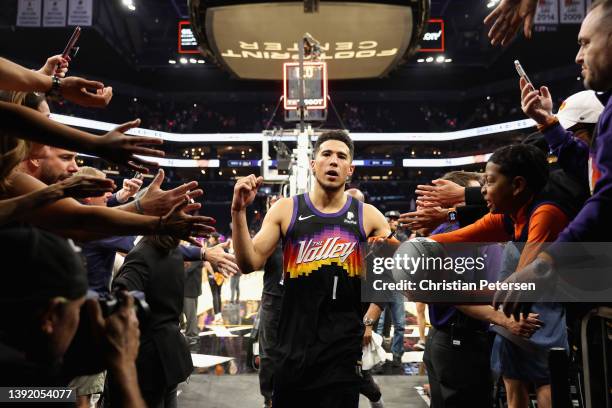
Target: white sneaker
420, 346
377, 404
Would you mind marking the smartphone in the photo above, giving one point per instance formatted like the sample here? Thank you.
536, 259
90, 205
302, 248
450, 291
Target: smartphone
71, 48
522, 73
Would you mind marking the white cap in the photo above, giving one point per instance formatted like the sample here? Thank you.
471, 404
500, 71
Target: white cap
581, 107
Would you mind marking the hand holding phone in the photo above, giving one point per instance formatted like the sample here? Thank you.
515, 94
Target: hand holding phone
71, 49
535, 103
522, 73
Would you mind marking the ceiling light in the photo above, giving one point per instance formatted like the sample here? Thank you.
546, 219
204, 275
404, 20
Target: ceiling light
429, 59
201, 61
448, 60
440, 59
183, 60
192, 60
421, 60
129, 4
171, 61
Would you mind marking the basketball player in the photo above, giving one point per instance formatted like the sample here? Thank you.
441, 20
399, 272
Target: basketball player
321, 328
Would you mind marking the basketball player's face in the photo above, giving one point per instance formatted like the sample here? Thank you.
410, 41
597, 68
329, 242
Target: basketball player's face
332, 165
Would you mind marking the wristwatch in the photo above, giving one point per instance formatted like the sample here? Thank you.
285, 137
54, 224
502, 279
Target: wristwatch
452, 215
54, 92
368, 321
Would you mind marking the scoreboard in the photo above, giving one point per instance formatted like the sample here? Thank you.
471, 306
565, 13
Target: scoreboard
315, 85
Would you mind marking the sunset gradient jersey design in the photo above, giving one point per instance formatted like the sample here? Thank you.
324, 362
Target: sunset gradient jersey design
353, 265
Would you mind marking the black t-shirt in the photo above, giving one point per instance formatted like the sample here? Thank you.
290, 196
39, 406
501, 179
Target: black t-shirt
320, 329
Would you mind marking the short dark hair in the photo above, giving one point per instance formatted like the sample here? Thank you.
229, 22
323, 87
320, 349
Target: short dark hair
339, 135
523, 160
463, 178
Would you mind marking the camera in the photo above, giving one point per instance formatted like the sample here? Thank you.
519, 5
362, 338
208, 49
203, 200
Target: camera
110, 303
83, 356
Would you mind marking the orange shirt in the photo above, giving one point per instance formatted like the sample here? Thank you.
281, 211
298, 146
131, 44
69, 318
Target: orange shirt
547, 221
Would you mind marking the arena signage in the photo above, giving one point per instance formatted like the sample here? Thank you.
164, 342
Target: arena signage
315, 85
187, 43
433, 38
358, 40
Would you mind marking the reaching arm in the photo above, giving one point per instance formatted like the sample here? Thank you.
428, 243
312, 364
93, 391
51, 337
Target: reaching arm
489, 228
68, 215
22, 122
14, 77
156, 201
16, 208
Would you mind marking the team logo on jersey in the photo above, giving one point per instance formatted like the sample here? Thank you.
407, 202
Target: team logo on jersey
310, 251
350, 218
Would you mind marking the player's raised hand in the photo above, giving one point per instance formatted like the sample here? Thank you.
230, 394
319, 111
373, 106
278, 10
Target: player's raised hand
245, 191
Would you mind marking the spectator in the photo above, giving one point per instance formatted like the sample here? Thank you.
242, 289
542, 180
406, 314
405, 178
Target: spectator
49, 292
155, 267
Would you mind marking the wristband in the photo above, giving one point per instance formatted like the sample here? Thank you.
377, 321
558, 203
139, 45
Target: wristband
368, 321
54, 93
549, 123
139, 208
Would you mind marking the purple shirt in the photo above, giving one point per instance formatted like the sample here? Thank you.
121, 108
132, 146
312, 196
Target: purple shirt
592, 224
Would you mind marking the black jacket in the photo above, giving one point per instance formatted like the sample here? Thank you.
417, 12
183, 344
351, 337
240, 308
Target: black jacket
163, 359
193, 279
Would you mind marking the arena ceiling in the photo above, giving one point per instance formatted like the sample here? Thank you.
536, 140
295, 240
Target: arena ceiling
132, 49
